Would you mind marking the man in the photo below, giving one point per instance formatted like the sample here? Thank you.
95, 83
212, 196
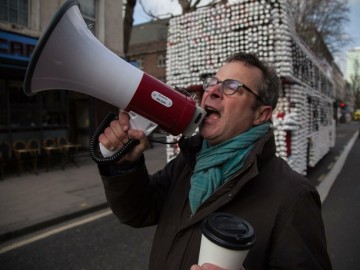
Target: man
229, 167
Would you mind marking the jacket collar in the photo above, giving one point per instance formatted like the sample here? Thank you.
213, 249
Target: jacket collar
190, 147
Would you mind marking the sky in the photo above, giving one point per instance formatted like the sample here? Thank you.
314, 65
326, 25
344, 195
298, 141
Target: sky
352, 28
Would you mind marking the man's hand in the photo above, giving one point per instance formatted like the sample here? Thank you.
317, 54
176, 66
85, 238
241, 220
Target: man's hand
119, 133
206, 266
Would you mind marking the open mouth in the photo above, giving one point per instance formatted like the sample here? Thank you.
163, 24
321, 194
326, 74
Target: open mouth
212, 113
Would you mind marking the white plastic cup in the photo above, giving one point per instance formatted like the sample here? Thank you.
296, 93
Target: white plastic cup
226, 240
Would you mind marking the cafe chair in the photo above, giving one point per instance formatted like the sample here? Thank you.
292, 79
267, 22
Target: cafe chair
34, 149
6, 157
19, 150
52, 151
69, 149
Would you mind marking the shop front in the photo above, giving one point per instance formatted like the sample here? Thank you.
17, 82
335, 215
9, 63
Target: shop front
46, 114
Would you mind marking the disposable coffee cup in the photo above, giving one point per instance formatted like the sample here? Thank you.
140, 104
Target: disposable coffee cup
225, 241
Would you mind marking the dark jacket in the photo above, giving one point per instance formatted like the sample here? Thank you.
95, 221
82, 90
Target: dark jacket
282, 205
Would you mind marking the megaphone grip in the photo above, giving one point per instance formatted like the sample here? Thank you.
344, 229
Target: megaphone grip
94, 149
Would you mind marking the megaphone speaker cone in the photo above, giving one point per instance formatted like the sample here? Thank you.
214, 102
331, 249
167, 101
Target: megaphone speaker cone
69, 57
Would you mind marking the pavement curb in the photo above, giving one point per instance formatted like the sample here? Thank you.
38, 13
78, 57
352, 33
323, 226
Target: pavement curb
48, 223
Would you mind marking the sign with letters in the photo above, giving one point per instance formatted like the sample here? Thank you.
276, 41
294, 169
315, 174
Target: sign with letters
16, 47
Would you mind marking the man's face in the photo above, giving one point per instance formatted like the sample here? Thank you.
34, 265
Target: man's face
230, 114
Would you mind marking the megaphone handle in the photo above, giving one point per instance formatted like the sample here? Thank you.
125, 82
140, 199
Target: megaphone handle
96, 156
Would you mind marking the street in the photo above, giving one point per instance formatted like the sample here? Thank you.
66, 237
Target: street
99, 241
101, 244
342, 216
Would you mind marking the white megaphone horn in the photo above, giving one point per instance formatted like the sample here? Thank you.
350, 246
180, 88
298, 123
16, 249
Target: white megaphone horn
69, 57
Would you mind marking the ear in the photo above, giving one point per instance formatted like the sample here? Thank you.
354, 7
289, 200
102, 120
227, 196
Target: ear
262, 114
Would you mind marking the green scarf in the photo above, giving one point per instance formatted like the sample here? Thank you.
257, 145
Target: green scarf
216, 164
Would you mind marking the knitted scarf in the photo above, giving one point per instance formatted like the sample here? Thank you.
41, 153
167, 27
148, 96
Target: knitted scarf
216, 164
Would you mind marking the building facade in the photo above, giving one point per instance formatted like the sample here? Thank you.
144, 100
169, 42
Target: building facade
147, 48
352, 64
353, 74
49, 113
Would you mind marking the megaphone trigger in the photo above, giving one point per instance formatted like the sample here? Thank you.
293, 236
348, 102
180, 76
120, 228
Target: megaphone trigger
141, 123
100, 154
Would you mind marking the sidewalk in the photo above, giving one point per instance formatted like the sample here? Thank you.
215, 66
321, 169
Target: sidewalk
31, 202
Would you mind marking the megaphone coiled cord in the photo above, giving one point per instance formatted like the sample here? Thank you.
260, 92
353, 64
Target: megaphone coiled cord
94, 144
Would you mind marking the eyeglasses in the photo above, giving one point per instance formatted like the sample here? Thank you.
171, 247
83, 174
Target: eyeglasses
228, 87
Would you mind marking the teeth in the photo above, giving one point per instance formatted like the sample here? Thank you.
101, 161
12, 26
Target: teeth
210, 110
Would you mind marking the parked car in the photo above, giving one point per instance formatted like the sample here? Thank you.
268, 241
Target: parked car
357, 115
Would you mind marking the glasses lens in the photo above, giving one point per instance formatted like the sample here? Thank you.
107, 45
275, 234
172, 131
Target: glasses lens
230, 86
208, 82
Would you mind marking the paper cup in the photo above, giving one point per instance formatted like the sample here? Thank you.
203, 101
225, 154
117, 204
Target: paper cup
226, 240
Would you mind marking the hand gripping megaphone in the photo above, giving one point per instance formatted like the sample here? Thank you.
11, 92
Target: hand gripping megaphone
69, 57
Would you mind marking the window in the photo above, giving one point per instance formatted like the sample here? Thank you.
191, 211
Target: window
140, 63
163, 79
87, 8
14, 11
24, 110
161, 61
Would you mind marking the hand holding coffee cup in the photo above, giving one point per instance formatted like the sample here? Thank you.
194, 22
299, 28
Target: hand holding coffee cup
206, 266
226, 240
209, 266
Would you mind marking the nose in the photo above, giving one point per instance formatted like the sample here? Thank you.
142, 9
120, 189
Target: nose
215, 91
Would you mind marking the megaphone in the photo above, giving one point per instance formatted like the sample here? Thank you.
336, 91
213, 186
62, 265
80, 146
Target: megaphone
69, 57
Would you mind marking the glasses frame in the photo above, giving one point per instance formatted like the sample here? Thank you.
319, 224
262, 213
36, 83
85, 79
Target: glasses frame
240, 84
